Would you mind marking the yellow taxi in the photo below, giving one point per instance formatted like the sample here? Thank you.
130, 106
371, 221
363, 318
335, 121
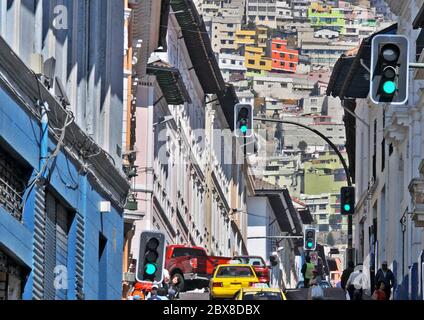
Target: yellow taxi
229, 278
260, 293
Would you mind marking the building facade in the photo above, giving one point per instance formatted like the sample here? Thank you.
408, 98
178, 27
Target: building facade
64, 191
283, 58
388, 161
189, 183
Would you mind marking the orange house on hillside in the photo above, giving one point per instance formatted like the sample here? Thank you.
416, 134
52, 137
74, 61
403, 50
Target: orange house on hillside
283, 59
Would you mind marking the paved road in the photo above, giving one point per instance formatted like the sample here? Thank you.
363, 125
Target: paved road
194, 295
329, 294
292, 294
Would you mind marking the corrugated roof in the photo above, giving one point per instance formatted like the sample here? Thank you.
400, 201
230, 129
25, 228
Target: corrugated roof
203, 58
350, 70
419, 19
198, 46
170, 82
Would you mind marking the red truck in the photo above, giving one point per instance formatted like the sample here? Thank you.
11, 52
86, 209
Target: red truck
258, 264
191, 265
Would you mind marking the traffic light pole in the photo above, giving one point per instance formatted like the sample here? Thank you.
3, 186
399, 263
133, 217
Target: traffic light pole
345, 167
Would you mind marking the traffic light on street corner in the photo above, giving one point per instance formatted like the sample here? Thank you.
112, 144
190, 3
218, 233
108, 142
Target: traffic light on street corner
151, 257
310, 239
243, 120
389, 69
347, 200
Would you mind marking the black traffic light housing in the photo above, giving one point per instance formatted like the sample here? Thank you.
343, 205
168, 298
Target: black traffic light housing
310, 239
347, 200
389, 69
151, 257
243, 120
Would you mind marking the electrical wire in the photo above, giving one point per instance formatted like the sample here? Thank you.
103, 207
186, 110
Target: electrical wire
46, 163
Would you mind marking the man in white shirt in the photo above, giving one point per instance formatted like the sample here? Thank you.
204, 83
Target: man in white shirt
356, 282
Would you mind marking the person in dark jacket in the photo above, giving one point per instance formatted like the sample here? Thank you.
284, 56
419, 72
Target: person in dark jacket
386, 275
345, 276
174, 289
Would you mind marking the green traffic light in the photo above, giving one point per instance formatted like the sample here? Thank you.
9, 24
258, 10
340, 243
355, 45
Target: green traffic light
243, 128
347, 207
389, 87
150, 268
309, 244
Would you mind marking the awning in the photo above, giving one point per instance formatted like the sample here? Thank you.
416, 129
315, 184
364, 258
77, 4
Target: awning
286, 214
170, 82
419, 19
350, 77
305, 216
202, 57
198, 45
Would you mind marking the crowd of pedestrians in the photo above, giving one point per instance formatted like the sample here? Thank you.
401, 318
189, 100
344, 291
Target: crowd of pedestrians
353, 281
167, 290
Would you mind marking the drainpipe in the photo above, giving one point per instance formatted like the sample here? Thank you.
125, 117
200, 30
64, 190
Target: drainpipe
44, 137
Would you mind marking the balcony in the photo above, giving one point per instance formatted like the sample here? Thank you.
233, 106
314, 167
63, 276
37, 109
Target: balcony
416, 189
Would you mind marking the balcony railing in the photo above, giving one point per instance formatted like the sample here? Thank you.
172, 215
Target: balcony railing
10, 200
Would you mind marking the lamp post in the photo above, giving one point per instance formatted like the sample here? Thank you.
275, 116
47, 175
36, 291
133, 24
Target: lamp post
345, 167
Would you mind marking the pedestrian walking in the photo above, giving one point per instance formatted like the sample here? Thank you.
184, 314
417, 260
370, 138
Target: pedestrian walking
137, 293
153, 295
386, 275
379, 293
174, 288
345, 276
355, 283
316, 292
306, 271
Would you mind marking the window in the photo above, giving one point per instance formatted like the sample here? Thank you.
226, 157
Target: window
234, 271
250, 61
233, 61
322, 206
283, 85
260, 83
230, 25
14, 176
183, 252
322, 216
262, 63
58, 222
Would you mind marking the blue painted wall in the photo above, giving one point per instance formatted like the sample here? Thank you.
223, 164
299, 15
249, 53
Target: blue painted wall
22, 132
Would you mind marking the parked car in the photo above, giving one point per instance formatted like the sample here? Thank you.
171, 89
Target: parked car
193, 267
260, 294
258, 264
228, 279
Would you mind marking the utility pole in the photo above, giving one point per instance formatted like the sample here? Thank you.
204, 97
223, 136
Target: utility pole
345, 167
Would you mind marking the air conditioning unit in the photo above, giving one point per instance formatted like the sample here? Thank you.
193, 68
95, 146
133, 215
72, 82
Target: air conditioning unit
37, 63
128, 276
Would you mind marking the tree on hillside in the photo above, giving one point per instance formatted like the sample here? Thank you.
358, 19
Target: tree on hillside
302, 146
330, 239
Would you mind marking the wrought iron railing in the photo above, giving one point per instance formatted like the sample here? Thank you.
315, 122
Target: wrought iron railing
10, 200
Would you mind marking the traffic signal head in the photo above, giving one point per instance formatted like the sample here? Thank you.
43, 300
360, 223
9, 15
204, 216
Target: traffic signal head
151, 258
389, 69
243, 120
347, 200
309, 239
